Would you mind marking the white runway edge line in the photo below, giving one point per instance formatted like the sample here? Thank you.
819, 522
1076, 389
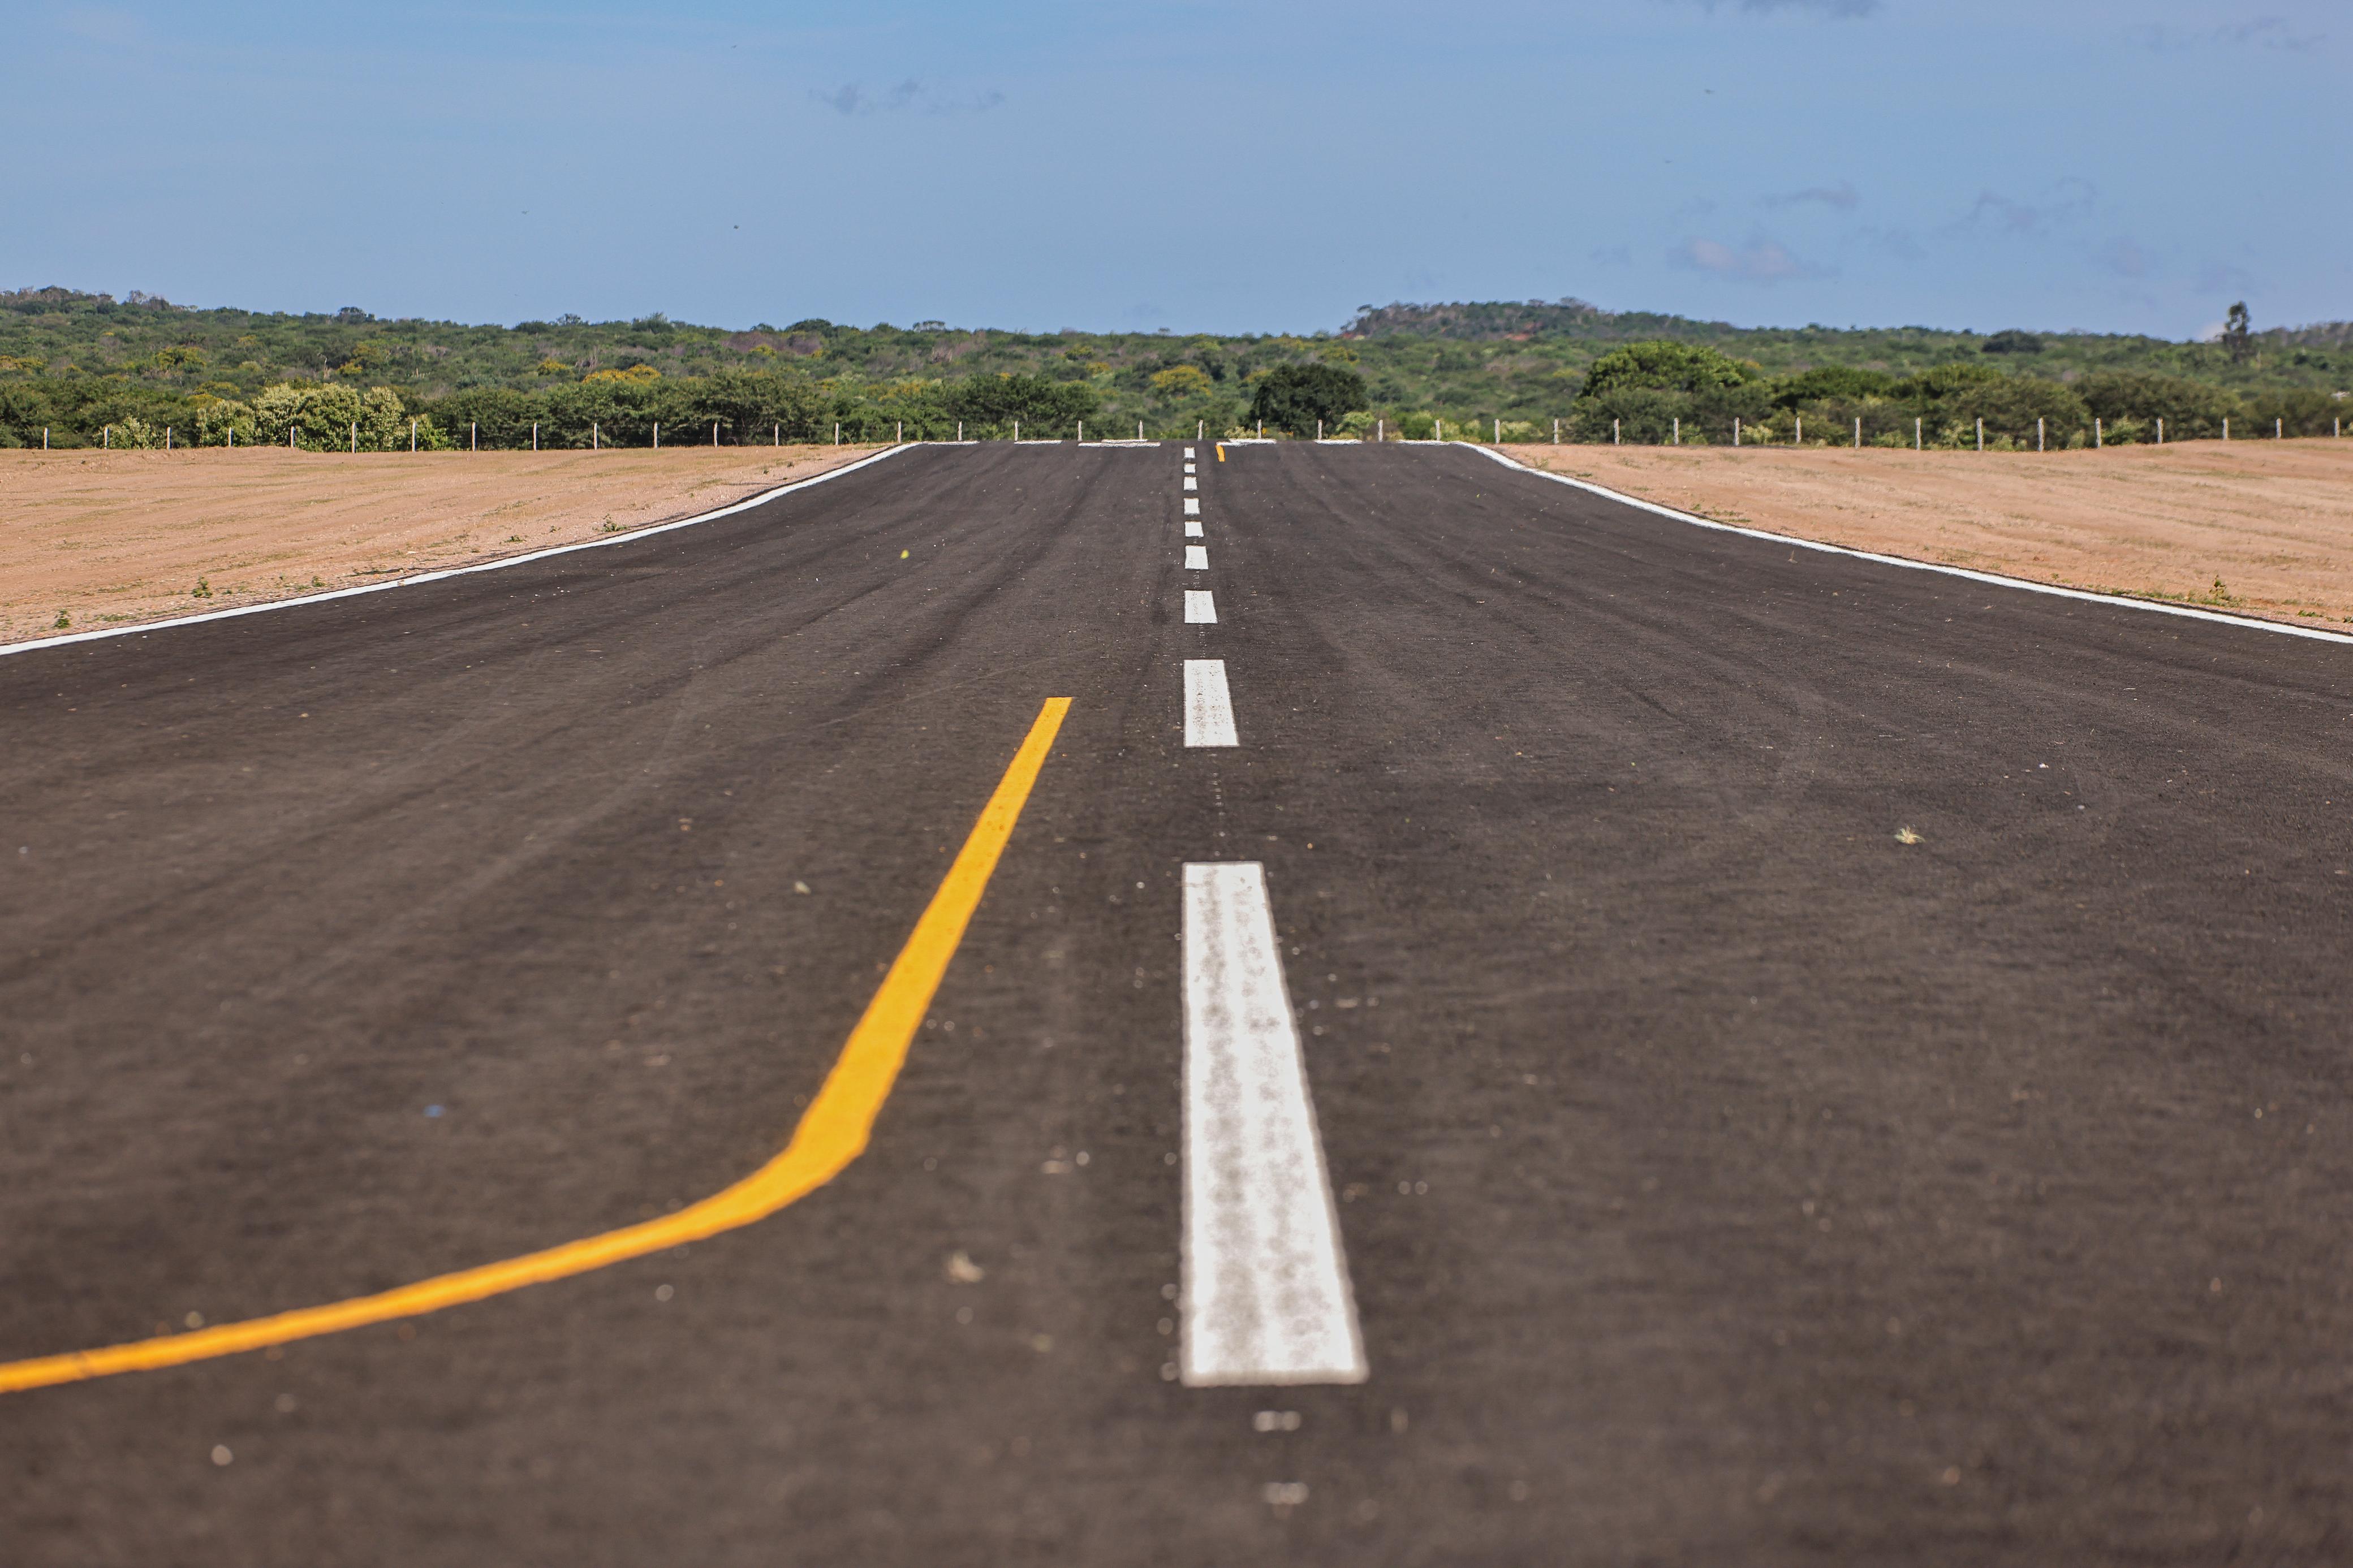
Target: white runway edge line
1200, 607
1192, 528
763, 498
1266, 1298
1208, 708
1197, 558
2114, 600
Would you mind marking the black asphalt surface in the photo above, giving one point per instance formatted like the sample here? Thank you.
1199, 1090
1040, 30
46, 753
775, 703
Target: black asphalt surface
1723, 1180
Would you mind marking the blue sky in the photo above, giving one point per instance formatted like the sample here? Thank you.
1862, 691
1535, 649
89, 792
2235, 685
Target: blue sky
1194, 165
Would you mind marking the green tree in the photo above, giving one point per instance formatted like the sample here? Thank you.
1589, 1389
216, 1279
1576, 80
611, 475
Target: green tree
2238, 334
997, 402
1295, 397
1663, 365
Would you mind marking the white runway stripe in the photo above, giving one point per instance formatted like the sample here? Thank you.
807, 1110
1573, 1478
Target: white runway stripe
1266, 1296
1192, 506
1188, 454
1188, 468
1197, 558
1191, 483
1200, 609
1208, 708
1192, 528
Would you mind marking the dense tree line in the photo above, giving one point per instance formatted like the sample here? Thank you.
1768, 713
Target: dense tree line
87, 368
1661, 392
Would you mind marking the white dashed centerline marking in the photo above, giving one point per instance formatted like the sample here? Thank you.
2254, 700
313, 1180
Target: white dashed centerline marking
1266, 1296
1192, 528
1208, 708
1200, 609
1192, 506
1191, 483
1197, 558
1188, 454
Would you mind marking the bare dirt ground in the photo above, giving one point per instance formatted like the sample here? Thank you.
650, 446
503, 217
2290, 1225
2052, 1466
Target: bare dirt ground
114, 538
2259, 528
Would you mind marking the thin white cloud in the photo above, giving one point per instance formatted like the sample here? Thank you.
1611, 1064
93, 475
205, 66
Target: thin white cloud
1841, 197
1822, 7
2259, 33
2065, 201
1761, 260
2124, 257
852, 98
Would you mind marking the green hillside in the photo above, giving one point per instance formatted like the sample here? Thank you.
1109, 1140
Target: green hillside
76, 364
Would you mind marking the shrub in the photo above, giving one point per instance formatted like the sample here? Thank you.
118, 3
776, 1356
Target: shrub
323, 416
1830, 381
2189, 408
1181, 381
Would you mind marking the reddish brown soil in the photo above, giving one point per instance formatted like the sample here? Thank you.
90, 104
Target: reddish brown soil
112, 538
2262, 528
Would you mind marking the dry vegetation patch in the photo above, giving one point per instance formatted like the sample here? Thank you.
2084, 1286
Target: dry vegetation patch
2261, 528
114, 538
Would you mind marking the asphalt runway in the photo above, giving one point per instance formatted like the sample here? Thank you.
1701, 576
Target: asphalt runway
1731, 1054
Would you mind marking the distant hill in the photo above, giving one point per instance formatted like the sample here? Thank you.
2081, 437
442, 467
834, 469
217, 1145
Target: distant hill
75, 362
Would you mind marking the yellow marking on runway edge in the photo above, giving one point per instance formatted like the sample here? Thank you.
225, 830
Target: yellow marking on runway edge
832, 1133
1222, 451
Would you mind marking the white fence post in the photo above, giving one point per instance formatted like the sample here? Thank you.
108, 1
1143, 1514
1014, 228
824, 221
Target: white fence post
657, 435
2160, 432
412, 435
2099, 436
1857, 432
1799, 439
1915, 434
534, 434
1615, 437
1735, 432
1980, 434
595, 436
355, 438
1555, 432
2038, 434
1679, 429
1499, 432
2226, 427
474, 435
714, 435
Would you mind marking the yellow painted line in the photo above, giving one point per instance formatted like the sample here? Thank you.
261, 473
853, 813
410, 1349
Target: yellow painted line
831, 1133
1222, 451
